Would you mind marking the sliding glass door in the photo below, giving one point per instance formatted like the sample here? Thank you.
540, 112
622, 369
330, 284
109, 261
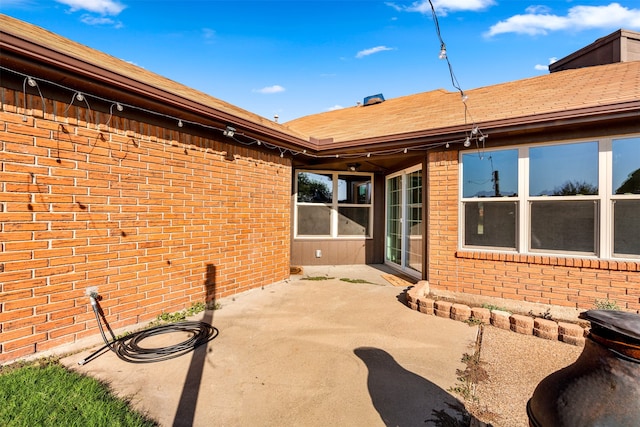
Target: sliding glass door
403, 243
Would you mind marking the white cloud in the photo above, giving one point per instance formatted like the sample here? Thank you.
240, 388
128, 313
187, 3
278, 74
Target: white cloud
335, 107
103, 7
541, 67
371, 51
443, 7
270, 89
208, 34
541, 21
94, 20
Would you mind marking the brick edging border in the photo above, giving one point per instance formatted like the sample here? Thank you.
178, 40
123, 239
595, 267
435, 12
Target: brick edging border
566, 332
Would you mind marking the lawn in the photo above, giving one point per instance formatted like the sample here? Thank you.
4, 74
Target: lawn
44, 393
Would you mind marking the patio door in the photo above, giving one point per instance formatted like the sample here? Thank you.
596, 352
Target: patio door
403, 235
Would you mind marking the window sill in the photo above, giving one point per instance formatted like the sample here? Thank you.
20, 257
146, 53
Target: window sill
596, 264
332, 238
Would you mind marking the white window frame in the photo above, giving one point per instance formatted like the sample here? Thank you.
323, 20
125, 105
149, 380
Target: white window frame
605, 198
334, 205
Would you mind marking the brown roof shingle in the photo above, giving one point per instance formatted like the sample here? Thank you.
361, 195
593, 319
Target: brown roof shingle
519, 102
438, 112
56, 43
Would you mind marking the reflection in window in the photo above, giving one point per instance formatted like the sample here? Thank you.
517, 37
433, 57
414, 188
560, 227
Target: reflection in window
626, 230
354, 189
321, 211
567, 210
492, 174
564, 226
491, 224
314, 220
315, 188
626, 166
353, 221
564, 170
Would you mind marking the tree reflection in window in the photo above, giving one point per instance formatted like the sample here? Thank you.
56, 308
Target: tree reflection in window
564, 170
314, 188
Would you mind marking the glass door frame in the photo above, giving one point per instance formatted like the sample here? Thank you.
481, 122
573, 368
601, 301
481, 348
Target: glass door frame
404, 220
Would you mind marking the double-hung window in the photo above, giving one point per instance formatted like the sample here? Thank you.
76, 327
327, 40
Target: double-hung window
333, 204
578, 198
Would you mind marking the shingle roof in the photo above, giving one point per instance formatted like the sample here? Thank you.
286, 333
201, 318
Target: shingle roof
603, 87
49, 40
517, 101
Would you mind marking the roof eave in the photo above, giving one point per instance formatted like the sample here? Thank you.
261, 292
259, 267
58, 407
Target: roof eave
38, 54
530, 123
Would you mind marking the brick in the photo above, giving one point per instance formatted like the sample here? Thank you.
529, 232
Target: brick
500, 319
577, 341
521, 324
570, 329
426, 305
481, 314
547, 329
460, 312
443, 309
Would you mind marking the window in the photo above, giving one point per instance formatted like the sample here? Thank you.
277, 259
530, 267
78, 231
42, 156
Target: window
580, 198
489, 187
559, 175
626, 196
333, 204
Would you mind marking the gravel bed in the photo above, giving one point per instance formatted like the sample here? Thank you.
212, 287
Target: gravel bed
515, 364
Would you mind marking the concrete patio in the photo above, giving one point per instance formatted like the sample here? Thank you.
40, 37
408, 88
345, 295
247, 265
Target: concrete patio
303, 353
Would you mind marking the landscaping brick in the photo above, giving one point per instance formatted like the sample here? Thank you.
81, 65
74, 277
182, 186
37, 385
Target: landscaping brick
570, 329
443, 309
500, 319
460, 312
578, 341
521, 324
545, 328
571, 333
426, 305
481, 314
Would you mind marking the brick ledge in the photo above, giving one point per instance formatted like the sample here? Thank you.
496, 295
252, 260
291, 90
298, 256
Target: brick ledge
551, 260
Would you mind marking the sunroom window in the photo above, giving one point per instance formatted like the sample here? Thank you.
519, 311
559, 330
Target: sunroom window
333, 204
580, 198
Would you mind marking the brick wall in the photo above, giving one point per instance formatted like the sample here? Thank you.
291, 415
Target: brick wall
155, 218
561, 281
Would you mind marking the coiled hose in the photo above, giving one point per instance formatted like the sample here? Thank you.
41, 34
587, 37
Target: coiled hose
130, 349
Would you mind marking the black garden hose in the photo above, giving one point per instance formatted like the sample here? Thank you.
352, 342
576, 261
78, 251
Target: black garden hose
130, 349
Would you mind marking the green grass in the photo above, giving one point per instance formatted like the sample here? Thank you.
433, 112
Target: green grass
344, 279
50, 395
495, 307
180, 316
606, 304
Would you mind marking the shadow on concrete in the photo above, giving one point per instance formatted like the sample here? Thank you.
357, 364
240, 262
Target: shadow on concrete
405, 399
186, 410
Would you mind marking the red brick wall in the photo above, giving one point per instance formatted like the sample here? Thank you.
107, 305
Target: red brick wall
155, 218
568, 282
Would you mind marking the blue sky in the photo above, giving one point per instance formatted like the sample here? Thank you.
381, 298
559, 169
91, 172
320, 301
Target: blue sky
293, 58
